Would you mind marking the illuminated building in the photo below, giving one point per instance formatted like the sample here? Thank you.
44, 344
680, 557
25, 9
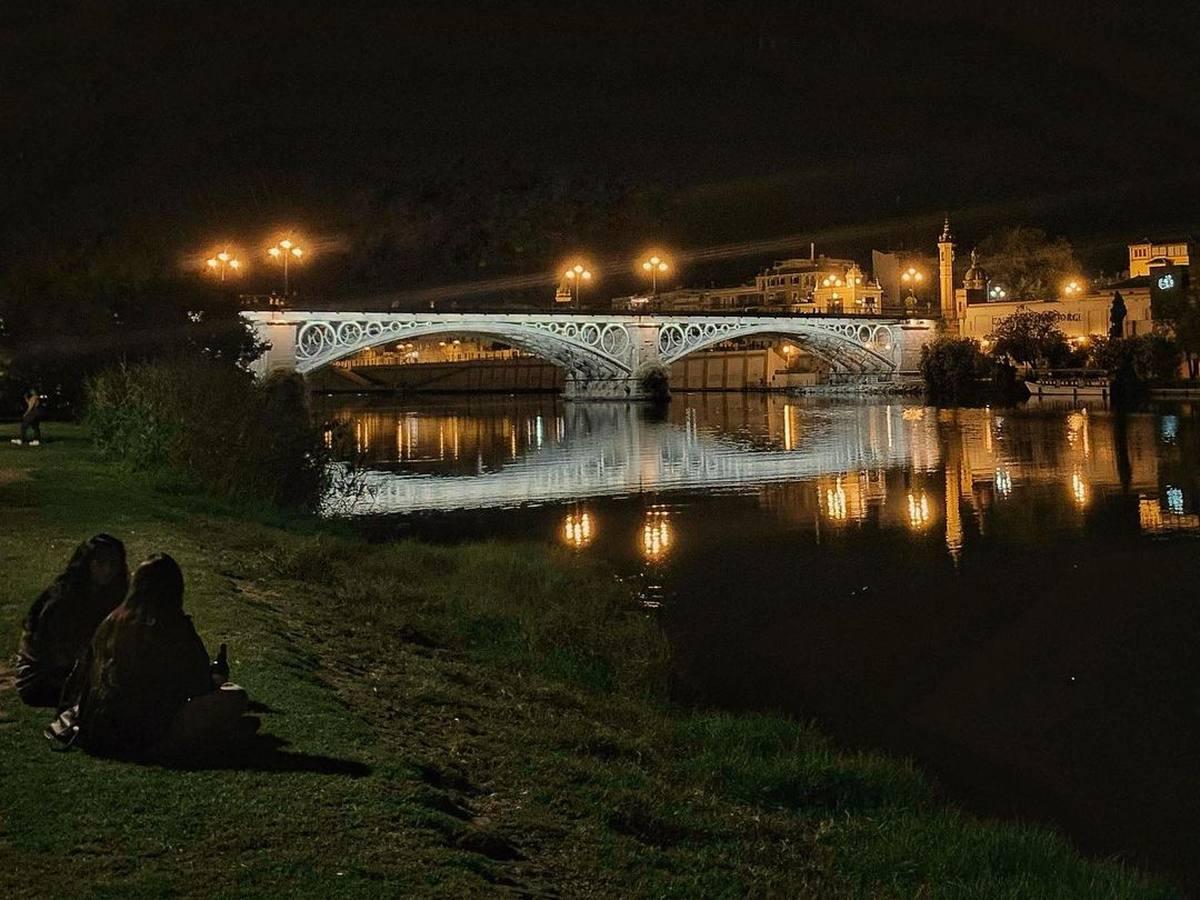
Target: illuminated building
1147, 254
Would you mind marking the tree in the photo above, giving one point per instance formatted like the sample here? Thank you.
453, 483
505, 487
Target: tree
951, 366
1180, 314
1027, 263
1031, 338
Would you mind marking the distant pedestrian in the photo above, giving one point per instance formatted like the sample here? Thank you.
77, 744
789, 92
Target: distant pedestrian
61, 622
31, 420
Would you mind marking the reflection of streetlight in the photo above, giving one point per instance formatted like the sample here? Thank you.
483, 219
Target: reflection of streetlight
222, 262
1079, 489
997, 293
575, 276
284, 252
654, 265
578, 530
918, 510
656, 535
1072, 287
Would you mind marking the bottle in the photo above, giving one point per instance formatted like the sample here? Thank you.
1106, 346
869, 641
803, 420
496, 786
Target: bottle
220, 665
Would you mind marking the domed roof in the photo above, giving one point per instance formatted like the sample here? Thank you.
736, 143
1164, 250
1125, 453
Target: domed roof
976, 277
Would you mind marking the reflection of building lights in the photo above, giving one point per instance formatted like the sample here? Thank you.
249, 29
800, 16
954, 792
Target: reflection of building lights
913, 414
656, 535
835, 501
1169, 428
578, 530
1003, 482
1175, 500
1079, 489
918, 510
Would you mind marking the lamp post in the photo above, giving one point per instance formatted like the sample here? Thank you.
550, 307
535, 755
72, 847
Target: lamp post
575, 276
284, 252
912, 277
653, 266
997, 293
223, 262
1072, 288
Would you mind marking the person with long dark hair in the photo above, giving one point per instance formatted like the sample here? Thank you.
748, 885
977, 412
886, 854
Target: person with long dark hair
147, 687
61, 621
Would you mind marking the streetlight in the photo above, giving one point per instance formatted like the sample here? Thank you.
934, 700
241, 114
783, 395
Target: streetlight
223, 262
912, 278
654, 265
284, 252
575, 276
997, 293
1072, 287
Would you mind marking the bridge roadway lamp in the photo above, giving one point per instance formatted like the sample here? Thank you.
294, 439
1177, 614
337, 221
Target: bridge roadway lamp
223, 262
575, 277
284, 252
1072, 288
653, 267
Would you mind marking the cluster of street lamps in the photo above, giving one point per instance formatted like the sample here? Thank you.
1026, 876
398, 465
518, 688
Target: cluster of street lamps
579, 273
575, 276
225, 263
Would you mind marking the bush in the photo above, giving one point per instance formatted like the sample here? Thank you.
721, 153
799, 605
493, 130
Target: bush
211, 423
951, 367
1148, 357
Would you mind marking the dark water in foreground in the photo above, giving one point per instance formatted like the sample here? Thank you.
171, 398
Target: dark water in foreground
1011, 596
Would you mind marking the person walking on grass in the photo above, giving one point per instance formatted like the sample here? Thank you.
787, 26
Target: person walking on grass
31, 420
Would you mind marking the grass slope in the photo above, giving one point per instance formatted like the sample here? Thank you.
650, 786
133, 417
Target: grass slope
452, 722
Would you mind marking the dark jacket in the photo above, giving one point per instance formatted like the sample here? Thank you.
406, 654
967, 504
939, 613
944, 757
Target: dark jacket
57, 631
136, 676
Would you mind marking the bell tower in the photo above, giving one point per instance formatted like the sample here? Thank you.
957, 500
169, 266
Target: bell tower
946, 278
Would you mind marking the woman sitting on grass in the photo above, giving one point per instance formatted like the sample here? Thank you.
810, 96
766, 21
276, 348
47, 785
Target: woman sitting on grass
63, 619
146, 688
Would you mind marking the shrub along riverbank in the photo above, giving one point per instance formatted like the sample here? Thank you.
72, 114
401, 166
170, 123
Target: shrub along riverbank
459, 721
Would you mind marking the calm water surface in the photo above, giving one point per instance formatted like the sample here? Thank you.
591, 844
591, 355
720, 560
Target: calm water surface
1009, 595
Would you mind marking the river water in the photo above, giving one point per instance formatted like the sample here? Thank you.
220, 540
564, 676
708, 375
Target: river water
1007, 595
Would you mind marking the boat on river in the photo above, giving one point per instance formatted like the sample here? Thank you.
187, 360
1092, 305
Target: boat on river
1069, 383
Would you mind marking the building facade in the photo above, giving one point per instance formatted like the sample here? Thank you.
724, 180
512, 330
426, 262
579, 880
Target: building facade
1149, 254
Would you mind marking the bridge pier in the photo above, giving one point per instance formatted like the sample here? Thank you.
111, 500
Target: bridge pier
584, 388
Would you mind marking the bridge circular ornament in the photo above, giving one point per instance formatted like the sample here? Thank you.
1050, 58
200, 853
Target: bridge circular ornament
882, 337
614, 339
670, 338
864, 334
590, 334
314, 338
349, 333
374, 329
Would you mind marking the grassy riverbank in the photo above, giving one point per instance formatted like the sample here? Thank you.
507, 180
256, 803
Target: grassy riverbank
458, 721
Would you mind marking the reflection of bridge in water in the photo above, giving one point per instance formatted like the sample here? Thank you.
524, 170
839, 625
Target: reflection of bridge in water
838, 462
609, 450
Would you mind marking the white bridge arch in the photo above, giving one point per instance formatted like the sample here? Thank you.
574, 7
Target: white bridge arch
603, 354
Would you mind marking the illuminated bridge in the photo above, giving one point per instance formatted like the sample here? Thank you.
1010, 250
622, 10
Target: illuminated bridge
603, 355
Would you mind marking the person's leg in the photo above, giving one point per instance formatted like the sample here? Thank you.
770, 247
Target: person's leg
36, 428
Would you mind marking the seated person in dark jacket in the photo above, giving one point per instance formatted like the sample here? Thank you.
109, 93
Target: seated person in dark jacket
61, 621
146, 687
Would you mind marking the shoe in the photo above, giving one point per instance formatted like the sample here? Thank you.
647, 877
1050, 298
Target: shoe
35, 443
17, 441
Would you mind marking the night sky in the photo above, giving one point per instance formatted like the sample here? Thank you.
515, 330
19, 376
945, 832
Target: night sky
141, 130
